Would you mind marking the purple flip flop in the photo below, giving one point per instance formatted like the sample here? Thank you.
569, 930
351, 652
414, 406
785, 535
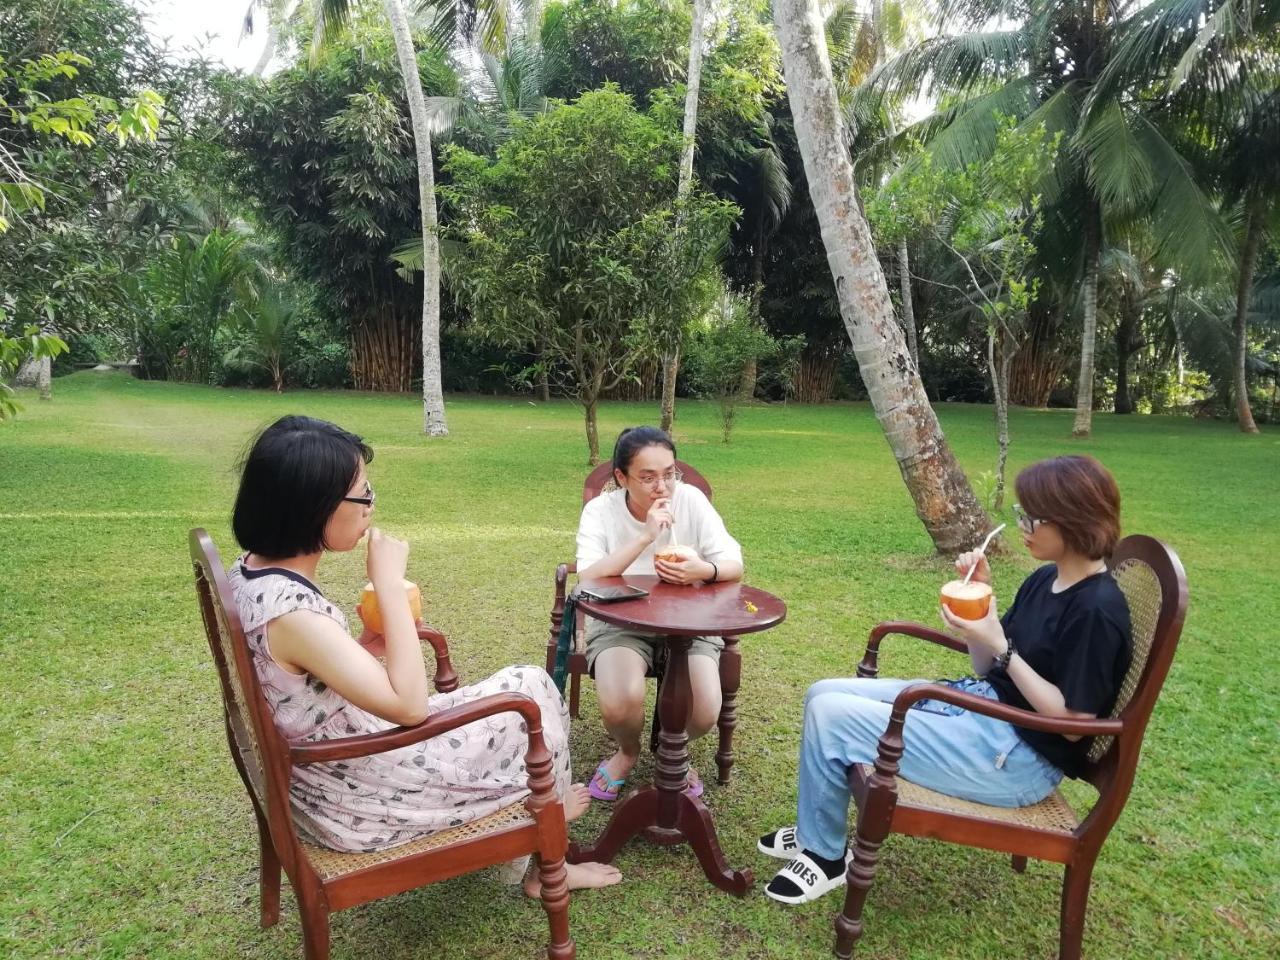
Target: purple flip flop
598, 792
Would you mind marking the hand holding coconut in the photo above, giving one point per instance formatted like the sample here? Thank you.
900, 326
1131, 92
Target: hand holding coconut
385, 567
968, 606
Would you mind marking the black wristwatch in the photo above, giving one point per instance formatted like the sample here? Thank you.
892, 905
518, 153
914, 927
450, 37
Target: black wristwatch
1002, 661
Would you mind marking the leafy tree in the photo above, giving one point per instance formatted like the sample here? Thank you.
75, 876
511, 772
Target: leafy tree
1051, 63
719, 345
638, 46
985, 216
325, 156
572, 242
31, 344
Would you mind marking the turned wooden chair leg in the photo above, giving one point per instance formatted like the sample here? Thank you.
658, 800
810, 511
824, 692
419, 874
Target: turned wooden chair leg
313, 911
269, 876
555, 900
1019, 864
1075, 899
849, 928
730, 680
575, 689
874, 822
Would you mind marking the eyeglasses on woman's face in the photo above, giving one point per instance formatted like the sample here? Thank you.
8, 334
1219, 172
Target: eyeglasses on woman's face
1026, 524
650, 481
366, 500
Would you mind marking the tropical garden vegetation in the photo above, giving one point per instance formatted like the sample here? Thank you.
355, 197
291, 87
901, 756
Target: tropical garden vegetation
1020, 219
1045, 204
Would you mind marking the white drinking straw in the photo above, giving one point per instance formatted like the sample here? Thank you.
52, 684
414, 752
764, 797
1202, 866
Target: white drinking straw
982, 551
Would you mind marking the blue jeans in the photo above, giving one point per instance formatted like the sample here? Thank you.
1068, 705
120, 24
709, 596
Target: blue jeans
945, 748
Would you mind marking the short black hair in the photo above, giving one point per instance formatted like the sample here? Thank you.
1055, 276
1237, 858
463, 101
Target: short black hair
292, 480
634, 439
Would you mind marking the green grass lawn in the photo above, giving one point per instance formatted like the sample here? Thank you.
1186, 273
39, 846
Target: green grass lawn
126, 832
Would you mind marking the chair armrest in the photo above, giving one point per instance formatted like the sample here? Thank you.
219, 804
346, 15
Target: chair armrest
446, 678
869, 666
346, 748
562, 578
1067, 726
881, 788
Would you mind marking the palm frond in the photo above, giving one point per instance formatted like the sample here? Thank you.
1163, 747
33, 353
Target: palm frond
1223, 26
332, 18
1115, 163
966, 132
950, 63
775, 183
1185, 223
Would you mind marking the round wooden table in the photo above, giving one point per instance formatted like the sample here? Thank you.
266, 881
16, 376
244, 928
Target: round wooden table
663, 812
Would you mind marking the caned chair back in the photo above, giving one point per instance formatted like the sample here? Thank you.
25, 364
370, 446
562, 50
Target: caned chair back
1154, 584
259, 752
601, 480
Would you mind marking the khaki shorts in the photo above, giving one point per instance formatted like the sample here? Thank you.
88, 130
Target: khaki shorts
602, 636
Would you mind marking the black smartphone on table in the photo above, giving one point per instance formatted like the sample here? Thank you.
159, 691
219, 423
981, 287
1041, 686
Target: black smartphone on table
610, 594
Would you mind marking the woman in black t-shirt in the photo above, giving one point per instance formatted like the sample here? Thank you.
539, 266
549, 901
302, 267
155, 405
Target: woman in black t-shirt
1062, 650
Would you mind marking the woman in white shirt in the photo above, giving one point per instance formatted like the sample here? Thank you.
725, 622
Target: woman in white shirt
618, 534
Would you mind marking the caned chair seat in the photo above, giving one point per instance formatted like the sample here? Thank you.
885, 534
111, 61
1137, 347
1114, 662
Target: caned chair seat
1053, 813
331, 864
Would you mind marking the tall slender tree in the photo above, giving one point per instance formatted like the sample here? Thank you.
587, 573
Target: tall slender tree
332, 14
944, 500
693, 82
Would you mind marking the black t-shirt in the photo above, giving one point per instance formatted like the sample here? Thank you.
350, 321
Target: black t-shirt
1080, 640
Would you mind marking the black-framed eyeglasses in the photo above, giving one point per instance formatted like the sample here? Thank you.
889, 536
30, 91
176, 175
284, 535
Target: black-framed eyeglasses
367, 499
1026, 524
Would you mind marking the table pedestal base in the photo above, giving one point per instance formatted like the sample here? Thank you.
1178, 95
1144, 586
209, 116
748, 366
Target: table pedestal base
638, 812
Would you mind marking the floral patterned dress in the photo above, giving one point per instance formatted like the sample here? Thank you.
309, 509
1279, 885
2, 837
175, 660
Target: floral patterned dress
372, 803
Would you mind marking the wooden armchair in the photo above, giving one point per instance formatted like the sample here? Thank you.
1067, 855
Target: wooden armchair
1152, 580
599, 481
327, 880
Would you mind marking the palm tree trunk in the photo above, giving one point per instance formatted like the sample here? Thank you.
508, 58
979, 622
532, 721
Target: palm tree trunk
433, 418
273, 14
1248, 262
1084, 387
44, 378
908, 307
1125, 327
693, 78
944, 500
1000, 392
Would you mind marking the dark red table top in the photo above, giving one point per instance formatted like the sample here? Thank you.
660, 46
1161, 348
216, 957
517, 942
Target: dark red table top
694, 610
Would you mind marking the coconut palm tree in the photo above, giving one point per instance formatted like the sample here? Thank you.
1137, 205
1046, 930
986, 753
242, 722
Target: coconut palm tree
1048, 62
693, 81
1217, 63
944, 500
331, 15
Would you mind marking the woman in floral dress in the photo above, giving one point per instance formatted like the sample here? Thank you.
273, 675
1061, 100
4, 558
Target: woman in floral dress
303, 491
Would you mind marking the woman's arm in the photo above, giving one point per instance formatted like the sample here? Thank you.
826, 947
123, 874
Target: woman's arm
986, 640
616, 561
312, 643
308, 642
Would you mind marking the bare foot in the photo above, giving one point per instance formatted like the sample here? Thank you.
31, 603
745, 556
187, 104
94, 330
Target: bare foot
581, 876
576, 801
693, 779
